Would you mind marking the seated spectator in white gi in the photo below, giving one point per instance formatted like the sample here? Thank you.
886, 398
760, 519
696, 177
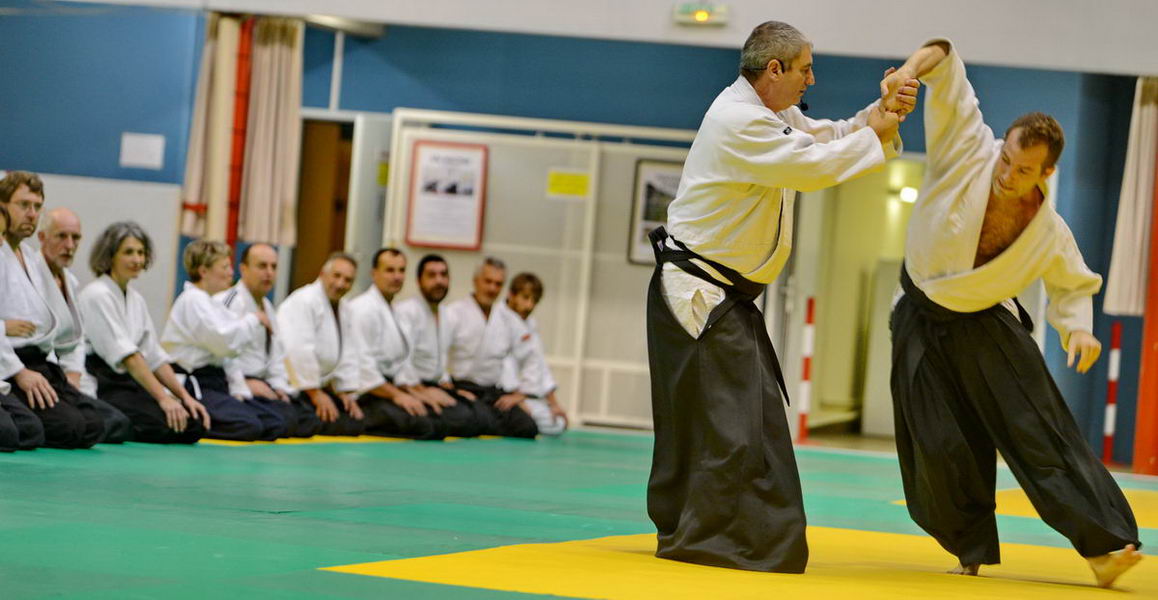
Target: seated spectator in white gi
525, 293
27, 362
424, 373
19, 427
125, 356
482, 333
259, 370
382, 350
59, 237
202, 334
314, 323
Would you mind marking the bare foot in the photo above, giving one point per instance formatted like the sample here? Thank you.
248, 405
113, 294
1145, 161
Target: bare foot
1108, 567
961, 569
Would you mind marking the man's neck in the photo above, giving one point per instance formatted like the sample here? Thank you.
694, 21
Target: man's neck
388, 297
13, 241
257, 298
485, 309
57, 274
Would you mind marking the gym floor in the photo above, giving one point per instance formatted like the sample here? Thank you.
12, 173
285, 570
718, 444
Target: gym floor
487, 518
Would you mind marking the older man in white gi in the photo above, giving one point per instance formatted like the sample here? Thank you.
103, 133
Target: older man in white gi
316, 328
724, 488
482, 333
59, 236
968, 379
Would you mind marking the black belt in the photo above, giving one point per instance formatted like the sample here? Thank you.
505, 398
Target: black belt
740, 288
936, 312
682, 258
31, 355
214, 377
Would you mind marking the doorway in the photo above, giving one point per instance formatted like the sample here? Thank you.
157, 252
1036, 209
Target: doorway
323, 196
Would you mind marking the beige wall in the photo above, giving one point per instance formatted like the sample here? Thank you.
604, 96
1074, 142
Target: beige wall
864, 223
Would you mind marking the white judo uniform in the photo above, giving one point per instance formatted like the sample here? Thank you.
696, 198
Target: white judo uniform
382, 346
261, 356
75, 421
548, 423
318, 352
946, 221
201, 335
967, 379
428, 343
733, 216
735, 199
27, 288
117, 325
477, 346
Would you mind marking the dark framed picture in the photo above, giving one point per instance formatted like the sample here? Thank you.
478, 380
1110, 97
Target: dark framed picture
656, 182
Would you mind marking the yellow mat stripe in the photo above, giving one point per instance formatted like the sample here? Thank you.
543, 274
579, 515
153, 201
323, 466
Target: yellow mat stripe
845, 564
1015, 503
317, 439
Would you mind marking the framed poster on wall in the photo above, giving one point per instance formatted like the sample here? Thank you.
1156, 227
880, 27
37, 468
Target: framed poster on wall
447, 195
656, 182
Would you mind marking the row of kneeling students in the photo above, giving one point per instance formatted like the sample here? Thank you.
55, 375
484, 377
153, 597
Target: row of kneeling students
85, 366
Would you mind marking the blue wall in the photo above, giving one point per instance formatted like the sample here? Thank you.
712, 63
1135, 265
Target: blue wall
75, 76
73, 82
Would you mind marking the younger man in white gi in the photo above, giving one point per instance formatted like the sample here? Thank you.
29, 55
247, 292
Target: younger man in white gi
70, 419
968, 379
19, 427
524, 295
258, 371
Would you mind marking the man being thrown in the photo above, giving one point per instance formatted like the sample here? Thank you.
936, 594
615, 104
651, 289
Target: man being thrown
968, 379
316, 329
258, 371
524, 295
482, 333
724, 489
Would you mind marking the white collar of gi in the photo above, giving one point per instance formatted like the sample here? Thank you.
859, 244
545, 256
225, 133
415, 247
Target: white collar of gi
746, 93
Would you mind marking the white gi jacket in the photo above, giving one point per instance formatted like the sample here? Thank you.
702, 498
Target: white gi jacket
317, 353
428, 343
117, 324
545, 384
261, 357
202, 332
382, 348
735, 198
69, 341
479, 344
946, 222
5, 387
25, 297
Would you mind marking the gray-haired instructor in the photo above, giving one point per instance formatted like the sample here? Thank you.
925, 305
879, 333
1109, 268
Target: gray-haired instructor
724, 488
968, 380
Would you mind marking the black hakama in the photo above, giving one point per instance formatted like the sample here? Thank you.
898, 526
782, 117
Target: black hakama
966, 385
724, 489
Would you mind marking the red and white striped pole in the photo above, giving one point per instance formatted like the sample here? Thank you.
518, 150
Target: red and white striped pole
804, 396
1112, 392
